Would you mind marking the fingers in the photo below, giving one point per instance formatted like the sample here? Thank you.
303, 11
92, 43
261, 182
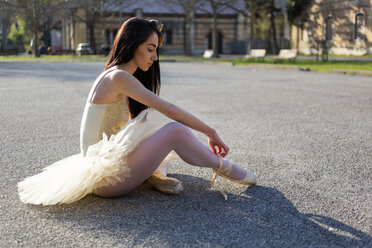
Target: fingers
225, 151
213, 148
222, 150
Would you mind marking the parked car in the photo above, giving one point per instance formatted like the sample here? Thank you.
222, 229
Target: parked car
84, 49
43, 50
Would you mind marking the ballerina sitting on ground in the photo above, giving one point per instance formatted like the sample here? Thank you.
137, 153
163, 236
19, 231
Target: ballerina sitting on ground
128, 132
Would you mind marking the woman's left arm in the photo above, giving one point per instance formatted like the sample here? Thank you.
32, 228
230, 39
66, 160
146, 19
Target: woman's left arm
186, 118
131, 87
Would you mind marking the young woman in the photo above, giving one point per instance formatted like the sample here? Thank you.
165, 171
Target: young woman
128, 131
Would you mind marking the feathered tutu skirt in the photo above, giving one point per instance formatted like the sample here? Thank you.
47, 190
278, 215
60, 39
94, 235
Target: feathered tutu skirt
72, 178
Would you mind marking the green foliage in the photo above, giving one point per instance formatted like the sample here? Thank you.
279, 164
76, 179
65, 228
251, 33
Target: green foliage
19, 34
295, 8
262, 26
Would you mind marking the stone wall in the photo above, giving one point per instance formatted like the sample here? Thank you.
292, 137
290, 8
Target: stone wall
343, 27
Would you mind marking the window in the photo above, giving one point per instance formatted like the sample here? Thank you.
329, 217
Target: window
168, 37
359, 26
329, 30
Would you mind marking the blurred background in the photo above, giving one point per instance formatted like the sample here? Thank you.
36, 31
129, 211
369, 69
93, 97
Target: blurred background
191, 27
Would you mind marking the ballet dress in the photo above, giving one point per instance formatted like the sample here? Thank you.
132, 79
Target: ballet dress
107, 136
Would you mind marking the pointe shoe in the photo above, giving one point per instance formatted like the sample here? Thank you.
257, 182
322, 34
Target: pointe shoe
249, 179
164, 184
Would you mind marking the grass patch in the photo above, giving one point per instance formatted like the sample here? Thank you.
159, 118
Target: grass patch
338, 55
312, 64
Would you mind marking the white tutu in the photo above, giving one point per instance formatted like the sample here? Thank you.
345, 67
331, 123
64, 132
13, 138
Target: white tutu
72, 178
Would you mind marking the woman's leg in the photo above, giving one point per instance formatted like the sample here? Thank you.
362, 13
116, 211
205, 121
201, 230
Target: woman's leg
162, 168
161, 182
145, 159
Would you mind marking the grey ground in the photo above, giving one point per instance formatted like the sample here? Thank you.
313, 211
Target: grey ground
306, 135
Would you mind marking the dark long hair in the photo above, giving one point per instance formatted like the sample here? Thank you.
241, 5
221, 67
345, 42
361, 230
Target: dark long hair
130, 36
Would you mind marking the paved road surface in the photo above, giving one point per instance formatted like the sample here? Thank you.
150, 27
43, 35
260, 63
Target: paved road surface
307, 136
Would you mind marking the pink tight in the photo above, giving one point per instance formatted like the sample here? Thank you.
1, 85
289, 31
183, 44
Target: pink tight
150, 153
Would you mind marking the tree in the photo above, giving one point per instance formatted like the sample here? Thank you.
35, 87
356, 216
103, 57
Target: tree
215, 7
35, 12
263, 8
296, 8
95, 12
252, 6
189, 8
273, 10
265, 11
6, 20
18, 35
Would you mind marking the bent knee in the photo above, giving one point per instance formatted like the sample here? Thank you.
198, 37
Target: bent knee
177, 129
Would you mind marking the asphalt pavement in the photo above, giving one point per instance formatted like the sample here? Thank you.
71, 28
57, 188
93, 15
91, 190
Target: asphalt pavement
306, 135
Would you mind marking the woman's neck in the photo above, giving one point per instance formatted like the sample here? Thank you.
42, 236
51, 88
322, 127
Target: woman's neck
129, 67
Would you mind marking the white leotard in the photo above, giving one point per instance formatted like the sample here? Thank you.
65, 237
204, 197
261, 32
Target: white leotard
101, 118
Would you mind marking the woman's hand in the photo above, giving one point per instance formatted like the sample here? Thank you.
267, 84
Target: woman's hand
214, 142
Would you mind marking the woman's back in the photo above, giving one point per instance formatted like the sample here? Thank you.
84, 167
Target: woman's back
101, 118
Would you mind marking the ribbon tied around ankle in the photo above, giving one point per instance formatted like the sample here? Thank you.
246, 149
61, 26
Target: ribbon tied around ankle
214, 178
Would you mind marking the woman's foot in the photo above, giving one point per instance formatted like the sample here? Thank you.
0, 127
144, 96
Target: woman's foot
234, 172
165, 184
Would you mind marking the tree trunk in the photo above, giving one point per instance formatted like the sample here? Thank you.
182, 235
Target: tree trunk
272, 20
35, 24
190, 33
252, 20
4, 37
187, 34
92, 38
298, 38
103, 22
215, 35
36, 40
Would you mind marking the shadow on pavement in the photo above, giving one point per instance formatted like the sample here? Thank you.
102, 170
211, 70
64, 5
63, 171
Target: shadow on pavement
258, 217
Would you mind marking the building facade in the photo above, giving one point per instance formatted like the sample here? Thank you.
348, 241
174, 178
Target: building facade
337, 26
233, 28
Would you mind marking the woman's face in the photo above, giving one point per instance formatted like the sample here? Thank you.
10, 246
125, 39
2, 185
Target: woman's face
145, 54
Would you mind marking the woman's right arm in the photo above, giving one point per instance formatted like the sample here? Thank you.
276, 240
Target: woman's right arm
128, 85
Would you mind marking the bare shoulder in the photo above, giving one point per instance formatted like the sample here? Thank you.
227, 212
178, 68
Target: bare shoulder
112, 86
121, 77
